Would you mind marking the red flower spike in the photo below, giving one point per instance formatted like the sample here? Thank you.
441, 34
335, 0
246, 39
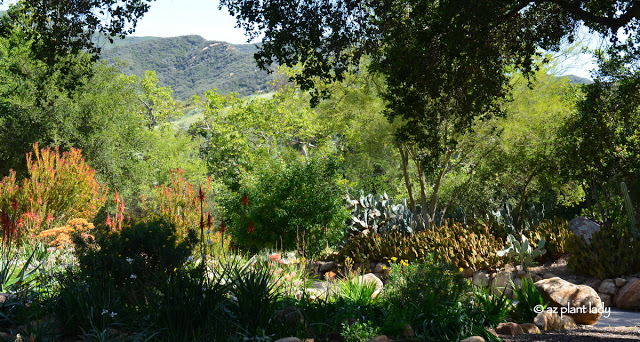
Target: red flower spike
245, 200
223, 227
14, 204
250, 228
209, 221
201, 194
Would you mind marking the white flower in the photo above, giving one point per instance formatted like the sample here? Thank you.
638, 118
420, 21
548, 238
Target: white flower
112, 314
129, 259
133, 276
105, 311
190, 259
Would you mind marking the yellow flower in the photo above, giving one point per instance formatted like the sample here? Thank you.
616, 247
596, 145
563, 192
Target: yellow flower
394, 259
461, 269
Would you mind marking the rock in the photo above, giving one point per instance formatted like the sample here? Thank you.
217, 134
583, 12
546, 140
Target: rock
583, 227
473, 339
523, 274
467, 272
407, 331
7, 297
502, 283
291, 317
549, 275
552, 321
481, 279
608, 286
582, 302
620, 282
381, 267
491, 331
326, 266
606, 299
289, 339
509, 328
530, 328
381, 338
628, 297
537, 278
593, 283
371, 278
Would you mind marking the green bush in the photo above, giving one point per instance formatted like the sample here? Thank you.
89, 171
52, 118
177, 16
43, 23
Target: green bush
293, 204
425, 295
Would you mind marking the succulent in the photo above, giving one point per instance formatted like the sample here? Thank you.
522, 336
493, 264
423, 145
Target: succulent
378, 214
556, 235
521, 251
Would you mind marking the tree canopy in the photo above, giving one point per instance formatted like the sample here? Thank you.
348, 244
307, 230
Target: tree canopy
446, 62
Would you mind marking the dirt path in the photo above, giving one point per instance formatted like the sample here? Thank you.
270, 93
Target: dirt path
583, 334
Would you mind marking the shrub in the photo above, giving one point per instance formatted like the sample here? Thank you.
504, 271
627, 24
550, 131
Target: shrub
611, 253
472, 247
59, 187
286, 204
529, 300
428, 296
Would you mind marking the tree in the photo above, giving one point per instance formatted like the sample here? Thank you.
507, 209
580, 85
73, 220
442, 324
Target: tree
63, 27
445, 62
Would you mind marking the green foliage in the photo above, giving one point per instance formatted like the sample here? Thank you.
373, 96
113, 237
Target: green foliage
19, 265
428, 296
490, 309
608, 255
256, 295
358, 291
358, 331
289, 204
529, 301
134, 258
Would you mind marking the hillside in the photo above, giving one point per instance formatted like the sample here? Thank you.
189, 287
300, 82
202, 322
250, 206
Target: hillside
191, 64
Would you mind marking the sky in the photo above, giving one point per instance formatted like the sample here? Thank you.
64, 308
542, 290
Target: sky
170, 18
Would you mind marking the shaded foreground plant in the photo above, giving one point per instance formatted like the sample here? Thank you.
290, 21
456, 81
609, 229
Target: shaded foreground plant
528, 299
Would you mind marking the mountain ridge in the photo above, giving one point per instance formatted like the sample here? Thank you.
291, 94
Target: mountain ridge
191, 64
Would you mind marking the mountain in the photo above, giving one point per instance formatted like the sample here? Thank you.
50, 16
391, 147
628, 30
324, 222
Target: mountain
577, 79
191, 64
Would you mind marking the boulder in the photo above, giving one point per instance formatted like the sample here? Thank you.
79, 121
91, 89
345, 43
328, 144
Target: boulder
593, 283
581, 302
473, 339
620, 282
371, 278
552, 321
502, 283
628, 297
606, 299
381, 338
509, 328
583, 227
530, 328
608, 286
481, 279
467, 272
289, 339
326, 266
